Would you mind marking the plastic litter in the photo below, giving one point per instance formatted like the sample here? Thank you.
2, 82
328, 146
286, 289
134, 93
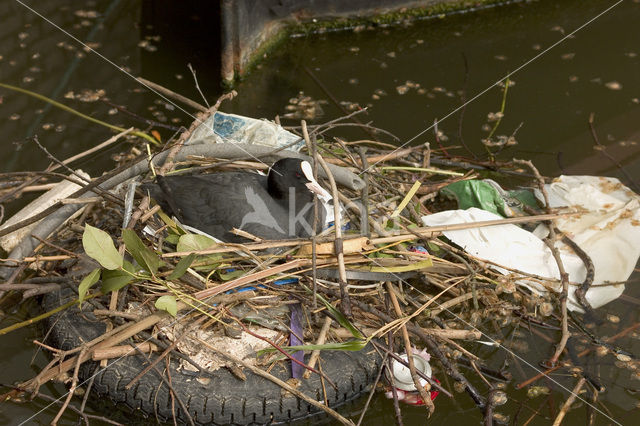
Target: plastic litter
488, 195
405, 388
59, 192
608, 231
231, 128
402, 375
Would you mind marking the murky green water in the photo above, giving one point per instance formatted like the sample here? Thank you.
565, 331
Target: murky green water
407, 76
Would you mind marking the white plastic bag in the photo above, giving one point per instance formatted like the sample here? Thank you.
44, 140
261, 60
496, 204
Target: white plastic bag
608, 231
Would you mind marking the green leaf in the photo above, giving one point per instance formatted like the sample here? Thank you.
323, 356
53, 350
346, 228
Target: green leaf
141, 253
182, 266
342, 320
168, 221
381, 255
194, 242
434, 248
172, 238
415, 266
99, 246
86, 283
118, 278
226, 276
167, 303
351, 345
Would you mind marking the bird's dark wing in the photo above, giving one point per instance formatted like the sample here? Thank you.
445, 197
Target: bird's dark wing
215, 203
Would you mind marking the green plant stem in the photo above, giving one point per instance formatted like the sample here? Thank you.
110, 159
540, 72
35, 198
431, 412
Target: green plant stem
423, 169
502, 107
45, 315
73, 111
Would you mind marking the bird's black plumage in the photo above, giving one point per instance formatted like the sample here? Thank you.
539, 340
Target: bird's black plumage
277, 206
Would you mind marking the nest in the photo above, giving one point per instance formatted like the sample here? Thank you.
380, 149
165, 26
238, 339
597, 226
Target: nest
378, 277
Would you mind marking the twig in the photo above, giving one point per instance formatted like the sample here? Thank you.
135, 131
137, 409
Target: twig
122, 350
434, 349
279, 349
569, 401
373, 390
319, 341
463, 101
75, 409
164, 353
283, 385
113, 139
172, 392
551, 243
424, 394
337, 226
581, 291
364, 197
72, 389
195, 80
392, 380
312, 147
172, 94
115, 336
399, 360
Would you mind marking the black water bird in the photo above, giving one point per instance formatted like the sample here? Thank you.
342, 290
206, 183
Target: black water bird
276, 206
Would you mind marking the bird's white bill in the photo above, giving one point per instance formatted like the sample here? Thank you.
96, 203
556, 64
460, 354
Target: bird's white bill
313, 185
322, 193
318, 190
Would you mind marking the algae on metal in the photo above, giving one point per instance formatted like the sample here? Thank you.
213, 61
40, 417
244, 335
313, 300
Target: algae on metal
346, 23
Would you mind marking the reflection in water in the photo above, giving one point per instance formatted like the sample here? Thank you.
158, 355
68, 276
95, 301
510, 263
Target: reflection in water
407, 76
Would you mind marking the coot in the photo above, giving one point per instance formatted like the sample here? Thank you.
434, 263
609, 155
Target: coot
276, 206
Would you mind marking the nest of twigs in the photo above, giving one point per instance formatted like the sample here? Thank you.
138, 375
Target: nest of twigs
384, 278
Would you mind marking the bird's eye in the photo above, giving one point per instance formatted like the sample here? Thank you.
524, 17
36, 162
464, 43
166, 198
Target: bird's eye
298, 174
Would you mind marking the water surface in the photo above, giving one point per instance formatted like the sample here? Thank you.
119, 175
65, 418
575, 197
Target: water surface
407, 76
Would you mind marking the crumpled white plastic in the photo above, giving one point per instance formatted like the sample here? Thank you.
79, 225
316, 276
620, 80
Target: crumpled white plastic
608, 231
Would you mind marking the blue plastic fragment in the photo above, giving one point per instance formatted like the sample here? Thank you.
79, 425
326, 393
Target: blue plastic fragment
283, 281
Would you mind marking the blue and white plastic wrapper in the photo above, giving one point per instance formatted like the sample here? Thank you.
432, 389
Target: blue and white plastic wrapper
232, 128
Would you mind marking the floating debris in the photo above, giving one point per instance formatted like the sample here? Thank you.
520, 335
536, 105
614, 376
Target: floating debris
146, 45
494, 116
89, 14
86, 95
304, 107
402, 89
613, 85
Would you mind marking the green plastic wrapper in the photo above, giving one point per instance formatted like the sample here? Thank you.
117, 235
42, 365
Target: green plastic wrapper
488, 195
